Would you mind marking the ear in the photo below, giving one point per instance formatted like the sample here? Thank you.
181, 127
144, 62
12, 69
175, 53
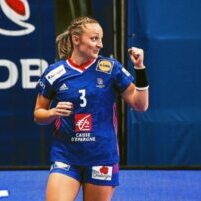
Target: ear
75, 39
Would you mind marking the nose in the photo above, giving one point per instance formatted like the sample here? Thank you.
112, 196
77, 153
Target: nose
100, 44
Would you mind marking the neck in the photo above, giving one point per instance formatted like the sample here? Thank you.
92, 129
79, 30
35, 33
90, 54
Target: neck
78, 59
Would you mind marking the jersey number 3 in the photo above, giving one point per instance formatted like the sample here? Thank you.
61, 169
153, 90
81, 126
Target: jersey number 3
83, 98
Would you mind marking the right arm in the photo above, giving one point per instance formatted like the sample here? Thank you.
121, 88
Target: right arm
43, 114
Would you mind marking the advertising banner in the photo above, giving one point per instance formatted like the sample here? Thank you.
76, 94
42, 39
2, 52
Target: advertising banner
27, 47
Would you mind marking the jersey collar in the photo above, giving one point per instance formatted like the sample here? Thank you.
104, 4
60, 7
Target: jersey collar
80, 68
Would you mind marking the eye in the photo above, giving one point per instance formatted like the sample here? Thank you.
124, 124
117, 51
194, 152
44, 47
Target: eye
95, 38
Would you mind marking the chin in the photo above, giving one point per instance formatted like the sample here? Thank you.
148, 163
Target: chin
95, 56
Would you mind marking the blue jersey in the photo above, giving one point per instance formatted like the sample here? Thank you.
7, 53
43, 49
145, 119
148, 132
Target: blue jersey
88, 136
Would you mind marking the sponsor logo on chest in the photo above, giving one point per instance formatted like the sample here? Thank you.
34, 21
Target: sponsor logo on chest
105, 66
83, 122
83, 128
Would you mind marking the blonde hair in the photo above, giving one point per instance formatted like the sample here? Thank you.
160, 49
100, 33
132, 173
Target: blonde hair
64, 40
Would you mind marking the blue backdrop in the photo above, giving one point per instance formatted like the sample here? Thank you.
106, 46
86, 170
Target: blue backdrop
169, 133
26, 47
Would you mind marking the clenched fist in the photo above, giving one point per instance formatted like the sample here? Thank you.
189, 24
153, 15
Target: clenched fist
137, 56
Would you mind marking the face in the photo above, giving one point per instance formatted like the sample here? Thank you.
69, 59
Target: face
89, 42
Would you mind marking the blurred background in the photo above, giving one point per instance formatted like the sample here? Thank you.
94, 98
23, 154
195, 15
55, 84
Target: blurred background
168, 135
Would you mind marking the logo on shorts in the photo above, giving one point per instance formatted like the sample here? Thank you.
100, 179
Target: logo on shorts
83, 122
60, 165
17, 11
105, 66
102, 172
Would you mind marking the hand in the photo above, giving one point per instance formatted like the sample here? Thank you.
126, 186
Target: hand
63, 109
136, 56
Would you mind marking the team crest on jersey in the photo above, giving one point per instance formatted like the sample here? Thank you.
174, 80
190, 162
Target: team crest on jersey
100, 83
83, 122
105, 66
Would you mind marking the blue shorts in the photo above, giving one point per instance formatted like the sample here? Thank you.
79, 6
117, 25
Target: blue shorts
105, 175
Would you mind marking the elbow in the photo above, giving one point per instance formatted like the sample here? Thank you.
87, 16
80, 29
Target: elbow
141, 107
37, 119
39, 122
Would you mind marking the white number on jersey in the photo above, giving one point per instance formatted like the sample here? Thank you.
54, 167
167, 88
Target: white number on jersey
83, 98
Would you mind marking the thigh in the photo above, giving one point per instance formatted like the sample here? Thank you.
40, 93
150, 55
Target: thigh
92, 192
61, 187
63, 183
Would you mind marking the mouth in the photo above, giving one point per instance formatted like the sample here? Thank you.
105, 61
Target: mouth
96, 51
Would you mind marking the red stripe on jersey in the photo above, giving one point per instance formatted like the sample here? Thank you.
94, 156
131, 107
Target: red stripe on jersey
82, 67
115, 121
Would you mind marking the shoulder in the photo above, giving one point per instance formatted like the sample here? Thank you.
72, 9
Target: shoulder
55, 65
55, 71
109, 59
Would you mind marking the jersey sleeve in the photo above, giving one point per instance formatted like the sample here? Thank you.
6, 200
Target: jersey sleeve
44, 87
122, 78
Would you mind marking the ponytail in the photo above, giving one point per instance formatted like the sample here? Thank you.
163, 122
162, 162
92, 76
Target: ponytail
64, 45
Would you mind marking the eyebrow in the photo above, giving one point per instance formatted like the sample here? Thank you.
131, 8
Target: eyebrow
97, 34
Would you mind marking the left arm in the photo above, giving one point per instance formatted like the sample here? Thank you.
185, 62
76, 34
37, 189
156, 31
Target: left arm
139, 100
137, 96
